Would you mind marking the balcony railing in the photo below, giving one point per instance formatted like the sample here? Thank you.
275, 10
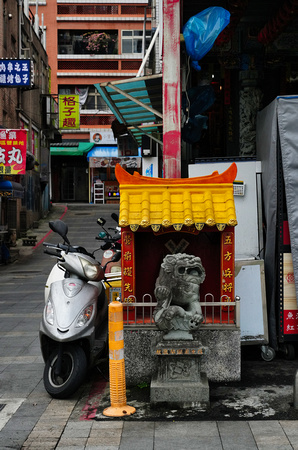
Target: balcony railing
216, 314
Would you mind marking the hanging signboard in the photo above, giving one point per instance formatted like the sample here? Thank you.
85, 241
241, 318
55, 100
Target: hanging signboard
102, 136
16, 73
69, 112
104, 162
13, 147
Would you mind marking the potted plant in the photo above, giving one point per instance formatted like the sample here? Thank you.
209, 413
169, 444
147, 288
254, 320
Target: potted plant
98, 42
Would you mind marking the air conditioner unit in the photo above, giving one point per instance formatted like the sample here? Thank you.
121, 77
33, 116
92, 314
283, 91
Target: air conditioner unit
65, 49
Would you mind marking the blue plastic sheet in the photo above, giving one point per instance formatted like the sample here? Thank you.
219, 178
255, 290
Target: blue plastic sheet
197, 100
201, 31
192, 130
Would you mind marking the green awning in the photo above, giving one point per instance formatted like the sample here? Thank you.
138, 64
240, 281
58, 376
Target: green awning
136, 103
77, 150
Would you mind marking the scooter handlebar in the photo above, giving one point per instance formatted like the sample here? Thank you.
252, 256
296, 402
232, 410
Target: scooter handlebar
53, 251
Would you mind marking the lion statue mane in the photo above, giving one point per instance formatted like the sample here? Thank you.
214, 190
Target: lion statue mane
177, 287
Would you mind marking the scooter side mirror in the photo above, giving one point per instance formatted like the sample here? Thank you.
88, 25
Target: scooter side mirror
115, 217
101, 221
61, 228
116, 257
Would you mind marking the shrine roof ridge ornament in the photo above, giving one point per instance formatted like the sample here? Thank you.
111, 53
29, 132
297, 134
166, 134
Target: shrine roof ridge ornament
228, 176
177, 202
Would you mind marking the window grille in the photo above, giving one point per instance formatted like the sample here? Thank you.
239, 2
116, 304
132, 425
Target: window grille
88, 9
130, 65
96, 120
134, 10
88, 65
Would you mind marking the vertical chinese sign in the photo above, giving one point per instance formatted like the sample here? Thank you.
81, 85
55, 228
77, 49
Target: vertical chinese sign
13, 147
69, 112
227, 267
289, 310
128, 267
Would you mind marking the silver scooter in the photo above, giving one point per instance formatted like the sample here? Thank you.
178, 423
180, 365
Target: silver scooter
74, 327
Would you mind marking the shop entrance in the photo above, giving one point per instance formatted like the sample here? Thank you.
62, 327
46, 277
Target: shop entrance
74, 186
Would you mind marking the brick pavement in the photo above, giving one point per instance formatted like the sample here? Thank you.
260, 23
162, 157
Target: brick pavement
30, 419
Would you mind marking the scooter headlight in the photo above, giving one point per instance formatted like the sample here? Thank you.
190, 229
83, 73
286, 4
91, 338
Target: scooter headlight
49, 312
91, 271
85, 316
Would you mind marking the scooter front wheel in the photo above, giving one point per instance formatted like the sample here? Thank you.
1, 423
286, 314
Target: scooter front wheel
72, 371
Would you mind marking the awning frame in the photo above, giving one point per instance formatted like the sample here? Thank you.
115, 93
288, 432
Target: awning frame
135, 128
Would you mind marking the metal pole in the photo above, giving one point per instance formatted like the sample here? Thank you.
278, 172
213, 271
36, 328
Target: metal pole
171, 90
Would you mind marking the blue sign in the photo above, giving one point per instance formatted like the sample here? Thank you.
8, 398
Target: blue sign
149, 171
15, 72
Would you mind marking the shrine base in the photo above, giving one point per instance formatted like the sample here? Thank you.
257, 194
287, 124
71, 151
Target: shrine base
179, 381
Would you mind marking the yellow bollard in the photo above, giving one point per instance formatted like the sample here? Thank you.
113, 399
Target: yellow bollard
118, 406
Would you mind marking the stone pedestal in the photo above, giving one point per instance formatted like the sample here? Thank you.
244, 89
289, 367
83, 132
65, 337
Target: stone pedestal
179, 381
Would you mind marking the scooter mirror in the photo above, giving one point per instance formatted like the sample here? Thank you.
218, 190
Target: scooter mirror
106, 246
101, 221
116, 257
115, 217
61, 228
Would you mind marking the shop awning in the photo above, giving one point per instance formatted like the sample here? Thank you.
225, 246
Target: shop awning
177, 202
11, 189
79, 149
101, 152
137, 103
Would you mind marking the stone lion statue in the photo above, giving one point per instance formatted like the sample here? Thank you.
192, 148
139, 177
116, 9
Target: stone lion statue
178, 309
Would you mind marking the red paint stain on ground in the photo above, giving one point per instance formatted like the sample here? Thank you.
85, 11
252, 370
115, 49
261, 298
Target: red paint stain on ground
90, 409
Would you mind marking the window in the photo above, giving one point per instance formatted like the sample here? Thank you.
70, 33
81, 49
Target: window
95, 101
132, 40
75, 42
92, 101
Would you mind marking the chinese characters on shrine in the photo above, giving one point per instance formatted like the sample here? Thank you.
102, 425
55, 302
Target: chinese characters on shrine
289, 312
69, 112
128, 267
13, 146
227, 266
15, 72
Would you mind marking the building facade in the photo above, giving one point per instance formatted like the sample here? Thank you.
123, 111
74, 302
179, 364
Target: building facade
24, 197
87, 43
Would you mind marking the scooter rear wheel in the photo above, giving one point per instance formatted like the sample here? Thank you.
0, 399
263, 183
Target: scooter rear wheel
72, 373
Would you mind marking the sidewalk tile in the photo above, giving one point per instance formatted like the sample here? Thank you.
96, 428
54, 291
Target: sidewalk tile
269, 435
236, 435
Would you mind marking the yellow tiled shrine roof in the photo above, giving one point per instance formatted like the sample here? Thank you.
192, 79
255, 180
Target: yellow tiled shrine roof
157, 202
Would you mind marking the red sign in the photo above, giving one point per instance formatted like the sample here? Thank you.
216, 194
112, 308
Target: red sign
127, 268
13, 146
290, 321
227, 267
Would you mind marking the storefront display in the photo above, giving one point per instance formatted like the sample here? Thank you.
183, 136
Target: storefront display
102, 170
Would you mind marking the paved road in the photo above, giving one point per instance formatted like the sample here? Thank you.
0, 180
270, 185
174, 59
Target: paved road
30, 419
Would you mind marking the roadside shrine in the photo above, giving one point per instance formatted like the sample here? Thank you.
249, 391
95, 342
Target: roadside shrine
163, 216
